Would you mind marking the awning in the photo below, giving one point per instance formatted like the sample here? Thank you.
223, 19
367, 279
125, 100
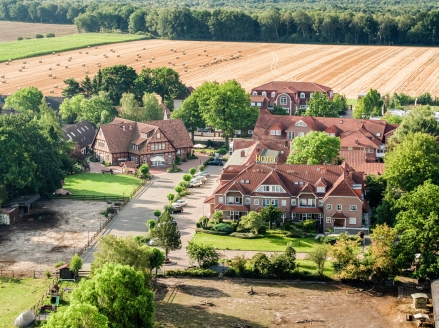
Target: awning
225, 207
157, 159
339, 215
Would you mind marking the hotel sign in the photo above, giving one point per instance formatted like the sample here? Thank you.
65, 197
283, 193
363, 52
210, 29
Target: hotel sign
266, 159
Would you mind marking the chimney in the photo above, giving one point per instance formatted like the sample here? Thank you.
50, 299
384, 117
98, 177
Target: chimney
356, 142
243, 153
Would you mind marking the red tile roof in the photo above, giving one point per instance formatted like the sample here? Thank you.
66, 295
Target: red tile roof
225, 207
358, 139
339, 215
293, 86
314, 210
175, 131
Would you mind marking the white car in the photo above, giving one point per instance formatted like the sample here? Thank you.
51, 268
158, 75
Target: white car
205, 173
180, 202
202, 178
195, 183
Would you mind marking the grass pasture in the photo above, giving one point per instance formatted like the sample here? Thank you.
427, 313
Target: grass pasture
36, 47
12, 30
18, 295
270, 243
101, 184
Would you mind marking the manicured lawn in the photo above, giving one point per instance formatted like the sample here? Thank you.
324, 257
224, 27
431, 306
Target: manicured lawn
270, 243
18, 295
37, 47
101, 184
305, 265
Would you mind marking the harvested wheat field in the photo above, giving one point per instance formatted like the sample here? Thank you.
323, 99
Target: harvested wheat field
50, 233
186, 302
10, 31
349, 70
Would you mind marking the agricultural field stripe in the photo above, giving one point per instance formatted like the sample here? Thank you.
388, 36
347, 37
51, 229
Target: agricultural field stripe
37, 47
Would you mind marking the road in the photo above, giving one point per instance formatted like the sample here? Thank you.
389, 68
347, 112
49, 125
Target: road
130, 221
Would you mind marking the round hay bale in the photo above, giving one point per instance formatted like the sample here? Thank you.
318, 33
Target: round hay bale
83, 65
54, 77
50, 68
40, 61
86, 72
207, 55
66, 66
80, 52
3, 76
176, 57
3, 81
150, 61
214, 58
51, 90
140, 56
200, 65
88, 46
96, 47
86, 52
99, 65
239, 51
58, 54
173, 64
104, 55
118, 55
23, 67
68, 59
185, 70
153, 58
18, 88
172, 49
57, 64
143, 65
7, 63
24, 62
175, 50
169, 61
49, 75
137, 59
56, 86
144, 48
204, 50
199, 54
19, 69
53, 52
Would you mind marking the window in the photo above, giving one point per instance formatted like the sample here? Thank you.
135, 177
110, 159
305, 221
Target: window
353, 208
220, 199
352, 220
350, 148
329, 207
301, 134
265, 202
278, 132
247, 200
301, 123
79, 130
378, 134
320, 189
284, 202
290, 135
293, 202
332, 134
328, 220
255, 93
302, 95
273, 94
302, 202
237, 131
339, 207
101, 144
320, 203
158, 135
250, 132
230, 199
283, 100
238, 200
274, 202
73, 134
256, 202
135, 147
264, 93
272, 132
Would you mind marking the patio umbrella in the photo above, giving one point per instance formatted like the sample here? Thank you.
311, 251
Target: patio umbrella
200, 146
25, 319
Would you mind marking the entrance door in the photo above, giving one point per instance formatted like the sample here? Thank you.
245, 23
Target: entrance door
101, 158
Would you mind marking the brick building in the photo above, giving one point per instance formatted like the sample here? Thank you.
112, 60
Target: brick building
289, 95
156, 143
333, 195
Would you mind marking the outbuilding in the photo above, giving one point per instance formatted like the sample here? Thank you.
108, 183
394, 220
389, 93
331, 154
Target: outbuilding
65, 273
9, 215
420, 300
24, 203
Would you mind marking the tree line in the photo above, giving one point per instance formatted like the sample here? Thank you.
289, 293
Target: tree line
301, 25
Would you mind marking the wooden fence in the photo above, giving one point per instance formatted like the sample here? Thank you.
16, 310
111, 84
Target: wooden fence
37, 306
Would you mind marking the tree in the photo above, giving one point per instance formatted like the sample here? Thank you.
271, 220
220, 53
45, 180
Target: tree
217, 216
26, 100
130, 108
75, 264
340, 104
97, 110
72, 88
201, 168
318, 255
150, 224
77, 316
118, 292
70, 109
48, 121
151, 108
190, 113
157, 259
144, 170
418, 226
314, 148
166, 83
167, 234
260, 263
375, 186
205, 255
226, 106
412, 162
192, 171
187, 177
170, 197
320, 106
96, 82
279, 110
252, 221
369, 105
270, 213
345, 254
117, 80
87, 87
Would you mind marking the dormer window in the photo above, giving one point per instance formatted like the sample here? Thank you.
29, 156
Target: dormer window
135, 147
320, 189
278, 132
301, 123
271, 189
283, 100
273, 94
254, 93
264, 93
302, 95
378, 134
272, 132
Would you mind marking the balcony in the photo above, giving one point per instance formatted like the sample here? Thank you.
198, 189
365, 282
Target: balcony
307, 206
229, 203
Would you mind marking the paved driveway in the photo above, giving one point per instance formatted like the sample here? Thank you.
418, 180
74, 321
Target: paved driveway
132, 218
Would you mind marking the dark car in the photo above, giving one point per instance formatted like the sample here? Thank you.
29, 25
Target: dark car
216, 162
177, 209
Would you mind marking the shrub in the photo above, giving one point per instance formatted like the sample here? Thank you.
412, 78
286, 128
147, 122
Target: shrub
260, 263
47, 273
20, 38
205, 255
294, 234
178, 189
201, 168
184, 184
223, 227
170, 197
203, 221
210, 232
151, 223
39, 36
222, 151
238, 264
309, 225
192, 171
217, 216
287, 225
193, 272
50, 35
28, 38
58, 264
187, 177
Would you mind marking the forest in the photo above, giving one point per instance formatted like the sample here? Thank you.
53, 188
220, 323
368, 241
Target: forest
333, 22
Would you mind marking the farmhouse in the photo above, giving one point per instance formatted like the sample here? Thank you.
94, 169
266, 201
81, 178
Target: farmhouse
81, 133
155, 143
370, 136
289, 95
180, 98
333, 195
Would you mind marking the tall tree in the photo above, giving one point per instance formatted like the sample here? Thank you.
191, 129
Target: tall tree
314, 148
118, 292
70, 109
167, 234
87, 86
151, 108
190, 113
75, 264
72, 88
117, 80
97, 110
205, 255
321, 106
369, 105
252, 221
130, 108
77, 316
26, 100
412, 162
166, 83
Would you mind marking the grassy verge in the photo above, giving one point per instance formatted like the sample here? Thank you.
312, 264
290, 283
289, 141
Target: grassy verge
308, 266
270, 243
18, 295
37, 47
101, 184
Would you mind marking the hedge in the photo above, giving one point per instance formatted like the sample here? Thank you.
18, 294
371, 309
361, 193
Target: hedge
195, 272
210, 232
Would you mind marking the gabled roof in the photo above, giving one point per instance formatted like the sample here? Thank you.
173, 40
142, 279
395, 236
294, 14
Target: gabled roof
293, 86
277, 126
339, 215
175, 131
258, 98
342, 187
81, 133
358, 139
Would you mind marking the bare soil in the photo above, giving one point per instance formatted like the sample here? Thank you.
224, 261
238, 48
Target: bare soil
12, 30
51, 232
349, 70
185, 302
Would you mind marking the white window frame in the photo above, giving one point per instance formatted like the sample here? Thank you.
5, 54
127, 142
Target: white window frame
158, 136
293, 201
250, 132
302, 95
283, 202
328, 219
291, 135
320, 189
247, 200
272, 132
278, 132
352, 221
254, 93
328, 207
273, 94
339, 207
352, 207
320, 203
264, 93
283, 100
256, 201
221, 199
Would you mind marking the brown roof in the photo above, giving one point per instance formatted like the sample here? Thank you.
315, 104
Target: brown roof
339, 215
355, 157
175, 131
130, 164
225, 207
358, 139
118, 140
307, 210
292, 87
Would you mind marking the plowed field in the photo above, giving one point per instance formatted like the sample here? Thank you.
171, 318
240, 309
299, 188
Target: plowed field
10, 31
349, 70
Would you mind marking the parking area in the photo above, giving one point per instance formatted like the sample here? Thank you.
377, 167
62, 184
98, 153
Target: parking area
132, 218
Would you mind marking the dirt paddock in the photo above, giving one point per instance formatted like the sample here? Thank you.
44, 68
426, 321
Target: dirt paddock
51, 232
184, 302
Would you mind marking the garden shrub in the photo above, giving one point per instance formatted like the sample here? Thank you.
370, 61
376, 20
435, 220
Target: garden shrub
222, 227
310, 225
20, 38
294, 234
262, 230
193, 272
211, 232
287, 225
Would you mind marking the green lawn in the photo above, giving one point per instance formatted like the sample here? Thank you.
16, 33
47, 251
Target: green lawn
18, 295
36, 47
352, 102
270, 243
305, 265
101, 184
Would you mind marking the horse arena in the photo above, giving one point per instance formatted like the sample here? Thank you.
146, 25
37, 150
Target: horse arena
349, 70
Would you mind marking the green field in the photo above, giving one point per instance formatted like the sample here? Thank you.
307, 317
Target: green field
36, 47
101, 184
270, 243
18, 295
352, 102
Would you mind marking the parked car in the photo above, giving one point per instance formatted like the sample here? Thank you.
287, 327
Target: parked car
177, 209
180, 203
217, 162
203, 173
202, 178
195, 183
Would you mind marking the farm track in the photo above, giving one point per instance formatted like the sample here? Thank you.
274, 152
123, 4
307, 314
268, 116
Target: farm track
349, 70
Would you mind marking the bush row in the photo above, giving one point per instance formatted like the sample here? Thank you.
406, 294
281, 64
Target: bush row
193, 272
